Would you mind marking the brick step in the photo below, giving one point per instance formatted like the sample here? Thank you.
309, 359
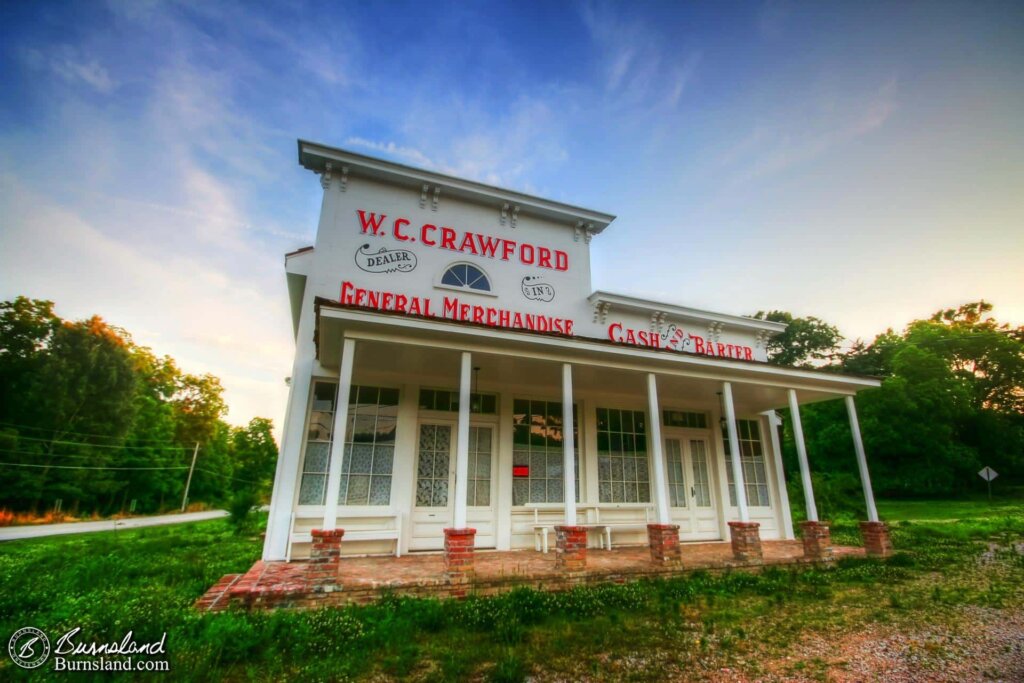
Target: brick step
211, 600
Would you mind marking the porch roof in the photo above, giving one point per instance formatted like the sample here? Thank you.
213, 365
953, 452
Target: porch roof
600, 362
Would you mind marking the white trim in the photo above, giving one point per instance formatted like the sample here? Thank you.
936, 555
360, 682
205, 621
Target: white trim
734, 453
533, 346
633, 303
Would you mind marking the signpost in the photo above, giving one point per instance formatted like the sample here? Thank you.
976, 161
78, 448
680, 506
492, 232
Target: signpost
988, 474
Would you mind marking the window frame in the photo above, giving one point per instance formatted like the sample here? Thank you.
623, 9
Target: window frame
647, 456
745, 461
577, 448
440, 284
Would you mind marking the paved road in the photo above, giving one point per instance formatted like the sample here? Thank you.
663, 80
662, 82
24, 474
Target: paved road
12, 533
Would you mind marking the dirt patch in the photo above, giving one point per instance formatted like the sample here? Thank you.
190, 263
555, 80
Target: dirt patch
985, 645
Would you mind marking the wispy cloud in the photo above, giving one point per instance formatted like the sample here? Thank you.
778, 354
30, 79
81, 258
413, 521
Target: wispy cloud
801, 134
71, 66
639, 67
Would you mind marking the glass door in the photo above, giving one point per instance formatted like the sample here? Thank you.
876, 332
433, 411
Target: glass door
691, 494
435, 485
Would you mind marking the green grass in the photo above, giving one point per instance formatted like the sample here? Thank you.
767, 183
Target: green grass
921, 510
147, 579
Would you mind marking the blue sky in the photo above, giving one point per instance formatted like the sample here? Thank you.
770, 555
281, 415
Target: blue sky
862, 162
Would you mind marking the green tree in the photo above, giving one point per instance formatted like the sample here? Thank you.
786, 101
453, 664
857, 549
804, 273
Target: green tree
807, 342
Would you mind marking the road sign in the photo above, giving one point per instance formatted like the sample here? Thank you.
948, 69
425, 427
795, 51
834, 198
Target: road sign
988, 474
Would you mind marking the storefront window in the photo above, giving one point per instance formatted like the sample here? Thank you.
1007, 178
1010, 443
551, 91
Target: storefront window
622, 463
369, 446
318, 444
538, 453
755, 475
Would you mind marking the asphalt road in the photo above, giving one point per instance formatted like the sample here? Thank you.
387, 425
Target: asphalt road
13, 533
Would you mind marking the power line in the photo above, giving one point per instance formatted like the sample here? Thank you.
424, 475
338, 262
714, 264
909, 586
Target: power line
226, 476
48, 455
61, 431
100, 445
84, 467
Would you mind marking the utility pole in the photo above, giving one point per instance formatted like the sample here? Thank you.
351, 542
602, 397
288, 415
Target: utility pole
188, 483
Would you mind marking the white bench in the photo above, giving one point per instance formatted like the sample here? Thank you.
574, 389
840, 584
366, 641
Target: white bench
392, 533
608, 527
541, 529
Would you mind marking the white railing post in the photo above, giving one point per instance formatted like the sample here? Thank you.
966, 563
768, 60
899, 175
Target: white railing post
801, 456
734, 451
657, 455
462, 441
338, 435
569, 447
862, 461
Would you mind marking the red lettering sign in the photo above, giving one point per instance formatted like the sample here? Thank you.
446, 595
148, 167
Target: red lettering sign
466, 242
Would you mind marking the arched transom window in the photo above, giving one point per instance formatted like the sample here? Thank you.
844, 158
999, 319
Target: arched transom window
467, 276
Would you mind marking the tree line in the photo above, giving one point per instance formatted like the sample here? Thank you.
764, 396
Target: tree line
951, 402
94, 420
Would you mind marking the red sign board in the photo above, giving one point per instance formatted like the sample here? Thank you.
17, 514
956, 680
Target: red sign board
520, 470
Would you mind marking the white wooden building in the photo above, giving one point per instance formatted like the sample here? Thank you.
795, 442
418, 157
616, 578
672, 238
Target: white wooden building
443, 327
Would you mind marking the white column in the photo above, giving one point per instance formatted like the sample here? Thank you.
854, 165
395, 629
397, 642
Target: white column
734, 451
462, 441
657, 457
348, 354
569, 447
801, 456
286, 476
785, 517
862, 461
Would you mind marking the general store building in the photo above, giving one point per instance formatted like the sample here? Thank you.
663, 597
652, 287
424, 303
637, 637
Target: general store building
458, 386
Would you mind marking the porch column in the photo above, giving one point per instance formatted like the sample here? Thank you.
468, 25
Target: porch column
348, 353
875, 533
662, 537
570, 539
744, 534
460, 540
816, 536
462, 441
569, 446
801, 456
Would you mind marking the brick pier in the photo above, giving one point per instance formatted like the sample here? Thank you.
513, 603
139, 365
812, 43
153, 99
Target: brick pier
746, 541
571, 548
664, 542
817, 539
876, 538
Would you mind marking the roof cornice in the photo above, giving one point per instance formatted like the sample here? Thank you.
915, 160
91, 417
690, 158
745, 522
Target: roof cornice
315, 157
621, 301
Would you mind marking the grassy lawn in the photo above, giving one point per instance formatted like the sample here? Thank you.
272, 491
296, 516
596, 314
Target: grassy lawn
779, 624
922, 510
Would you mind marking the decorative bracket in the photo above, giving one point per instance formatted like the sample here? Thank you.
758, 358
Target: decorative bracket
657, 320
762, 339
437, 197
344, 178
423, 196
715, 330
325, 177
601, 311
577, 230
515, 215
590, 232
504, 213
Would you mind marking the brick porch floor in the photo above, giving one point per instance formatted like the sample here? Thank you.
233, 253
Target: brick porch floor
365, 579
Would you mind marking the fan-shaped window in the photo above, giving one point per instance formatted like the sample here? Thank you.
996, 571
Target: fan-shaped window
468, 276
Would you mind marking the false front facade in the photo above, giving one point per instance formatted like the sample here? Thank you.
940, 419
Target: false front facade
457, 383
